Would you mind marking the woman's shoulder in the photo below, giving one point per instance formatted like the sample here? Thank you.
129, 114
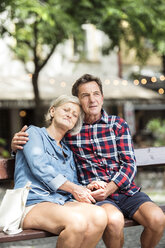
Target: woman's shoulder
33, 129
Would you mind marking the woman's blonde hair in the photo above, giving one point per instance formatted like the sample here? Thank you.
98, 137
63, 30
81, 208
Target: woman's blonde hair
60, 101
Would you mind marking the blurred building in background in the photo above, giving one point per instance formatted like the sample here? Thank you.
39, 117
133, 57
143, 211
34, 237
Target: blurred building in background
124, 97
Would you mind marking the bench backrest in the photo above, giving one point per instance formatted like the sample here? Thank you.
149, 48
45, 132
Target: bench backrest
145, 157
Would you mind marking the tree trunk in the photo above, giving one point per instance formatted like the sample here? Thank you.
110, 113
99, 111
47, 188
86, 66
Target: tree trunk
119, 64
38, 111
163, 64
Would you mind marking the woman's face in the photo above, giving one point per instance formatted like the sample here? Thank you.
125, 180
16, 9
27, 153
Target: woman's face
66, 115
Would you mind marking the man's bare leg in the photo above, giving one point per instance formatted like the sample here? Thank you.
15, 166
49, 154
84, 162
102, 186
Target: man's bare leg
113, 236
153, 219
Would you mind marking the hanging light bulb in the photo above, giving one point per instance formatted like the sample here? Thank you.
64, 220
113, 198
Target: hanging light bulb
143, 81
161, 91
153, 79
136, 82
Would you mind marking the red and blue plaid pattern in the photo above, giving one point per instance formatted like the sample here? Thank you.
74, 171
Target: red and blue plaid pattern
104, 151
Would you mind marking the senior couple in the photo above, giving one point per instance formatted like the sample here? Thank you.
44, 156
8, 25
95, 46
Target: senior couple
82, 207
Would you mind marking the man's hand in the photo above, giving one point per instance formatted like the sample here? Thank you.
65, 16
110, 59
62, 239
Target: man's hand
103, 193
99, 194
19, 139
97, 185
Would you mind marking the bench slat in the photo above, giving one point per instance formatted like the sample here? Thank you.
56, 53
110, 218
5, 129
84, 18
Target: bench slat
150, 156
7, 169
25, 235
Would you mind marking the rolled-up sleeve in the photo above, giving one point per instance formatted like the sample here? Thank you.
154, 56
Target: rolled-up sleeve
57, 182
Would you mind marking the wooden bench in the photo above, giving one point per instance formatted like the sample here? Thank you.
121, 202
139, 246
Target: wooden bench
146, 158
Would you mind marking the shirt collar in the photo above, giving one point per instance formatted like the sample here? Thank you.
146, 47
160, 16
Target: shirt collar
104, 116
53, 140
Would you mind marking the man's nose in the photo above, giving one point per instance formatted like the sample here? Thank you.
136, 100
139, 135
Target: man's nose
91, 98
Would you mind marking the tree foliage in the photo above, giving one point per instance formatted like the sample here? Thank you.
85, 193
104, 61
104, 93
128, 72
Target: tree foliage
157, 128
37, 27
140, 24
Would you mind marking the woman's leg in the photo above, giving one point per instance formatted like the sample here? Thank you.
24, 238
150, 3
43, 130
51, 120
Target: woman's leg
96, 219
72, 222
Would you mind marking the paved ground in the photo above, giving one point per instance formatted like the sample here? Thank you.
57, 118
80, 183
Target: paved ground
132, 235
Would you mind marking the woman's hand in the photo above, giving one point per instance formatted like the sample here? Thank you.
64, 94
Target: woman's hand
19, 139
94, 185
82, 194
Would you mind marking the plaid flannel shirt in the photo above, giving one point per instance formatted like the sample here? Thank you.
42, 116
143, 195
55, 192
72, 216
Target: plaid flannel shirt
104, 151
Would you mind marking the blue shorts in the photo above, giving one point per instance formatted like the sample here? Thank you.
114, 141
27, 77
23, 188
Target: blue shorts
128, 205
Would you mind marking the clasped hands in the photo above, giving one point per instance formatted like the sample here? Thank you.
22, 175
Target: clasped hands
95, 191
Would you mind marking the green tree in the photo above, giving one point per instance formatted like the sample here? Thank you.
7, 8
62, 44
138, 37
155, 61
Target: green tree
37, 27
157, 128
3, 152
140, 24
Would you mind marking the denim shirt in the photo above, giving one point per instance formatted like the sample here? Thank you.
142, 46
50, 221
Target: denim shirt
42, 162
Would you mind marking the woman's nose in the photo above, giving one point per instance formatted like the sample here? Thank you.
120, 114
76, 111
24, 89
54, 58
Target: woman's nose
69, 114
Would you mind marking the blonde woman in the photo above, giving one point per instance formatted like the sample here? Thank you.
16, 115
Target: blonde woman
48, 163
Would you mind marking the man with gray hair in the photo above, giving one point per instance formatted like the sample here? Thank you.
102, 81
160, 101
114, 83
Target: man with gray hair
105, 159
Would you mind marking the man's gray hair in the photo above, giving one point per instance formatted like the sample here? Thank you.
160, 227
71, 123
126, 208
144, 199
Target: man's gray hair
60, 101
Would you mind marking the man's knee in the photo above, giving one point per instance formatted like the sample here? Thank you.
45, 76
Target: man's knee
157, 220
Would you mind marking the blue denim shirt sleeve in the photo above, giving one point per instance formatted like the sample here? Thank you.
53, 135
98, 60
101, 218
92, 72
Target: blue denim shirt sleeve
39, 162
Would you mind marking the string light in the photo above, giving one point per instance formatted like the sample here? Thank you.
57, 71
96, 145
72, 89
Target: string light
136, 82
153, 79
30, 75
107, 81
161, 91
116, 82
52, 81
125, 82
143, 81
162, 78
63, 84
22, 113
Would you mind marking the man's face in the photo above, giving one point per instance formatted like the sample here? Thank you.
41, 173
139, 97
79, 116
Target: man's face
90, 98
